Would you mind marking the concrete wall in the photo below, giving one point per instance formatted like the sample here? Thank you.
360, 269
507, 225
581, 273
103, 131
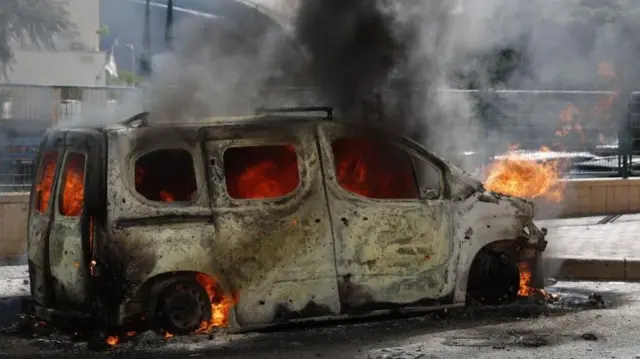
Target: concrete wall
13, 224
582, 198
593, 197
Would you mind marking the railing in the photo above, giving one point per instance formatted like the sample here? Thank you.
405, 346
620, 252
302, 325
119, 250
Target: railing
49, 105
15, 176
26, 111
581, 129
593, 133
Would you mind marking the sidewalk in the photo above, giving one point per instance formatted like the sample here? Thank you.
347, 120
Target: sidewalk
593, 248
14, 282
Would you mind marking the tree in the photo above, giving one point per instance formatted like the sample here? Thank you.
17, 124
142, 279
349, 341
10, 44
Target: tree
36, 21
128, 78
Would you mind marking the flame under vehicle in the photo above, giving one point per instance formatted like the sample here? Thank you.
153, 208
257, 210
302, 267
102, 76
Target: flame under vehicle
243, 223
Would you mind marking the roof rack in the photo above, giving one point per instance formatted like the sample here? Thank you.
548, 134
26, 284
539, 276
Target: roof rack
142, 117
271, 111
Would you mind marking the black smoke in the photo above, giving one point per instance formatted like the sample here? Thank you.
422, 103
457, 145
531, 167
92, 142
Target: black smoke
358, 54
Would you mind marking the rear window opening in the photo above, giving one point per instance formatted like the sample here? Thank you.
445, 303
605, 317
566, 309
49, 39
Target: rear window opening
72, 196
261, 172
373, 169
166, 176
46, 175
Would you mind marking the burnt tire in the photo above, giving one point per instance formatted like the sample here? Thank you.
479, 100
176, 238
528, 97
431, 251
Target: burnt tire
181, 306
494, 279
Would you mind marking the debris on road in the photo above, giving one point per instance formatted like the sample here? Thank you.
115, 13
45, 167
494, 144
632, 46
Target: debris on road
596, 300
589, 336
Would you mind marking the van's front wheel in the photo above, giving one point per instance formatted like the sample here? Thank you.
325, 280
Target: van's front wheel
494, 278
181, 306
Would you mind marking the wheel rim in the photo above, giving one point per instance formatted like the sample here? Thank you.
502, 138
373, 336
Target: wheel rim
182, 307
496, 279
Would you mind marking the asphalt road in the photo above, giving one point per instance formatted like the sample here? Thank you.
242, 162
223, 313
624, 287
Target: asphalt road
573, 327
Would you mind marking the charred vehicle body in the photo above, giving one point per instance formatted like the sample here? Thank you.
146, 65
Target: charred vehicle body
247, 222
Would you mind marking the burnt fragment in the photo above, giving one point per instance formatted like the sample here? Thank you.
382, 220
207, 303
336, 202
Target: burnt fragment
595, 299
589, 336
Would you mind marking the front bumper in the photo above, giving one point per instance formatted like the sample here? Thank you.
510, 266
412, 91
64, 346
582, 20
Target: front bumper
534, 237
533, 244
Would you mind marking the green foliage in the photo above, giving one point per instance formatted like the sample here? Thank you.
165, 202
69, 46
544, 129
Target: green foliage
127, 78
37, 21
103, 31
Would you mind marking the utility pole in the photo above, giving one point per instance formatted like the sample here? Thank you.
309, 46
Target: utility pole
145, 56
133, 58
168, 26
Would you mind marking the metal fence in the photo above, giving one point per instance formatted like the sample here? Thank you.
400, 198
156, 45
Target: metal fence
593, 133
26, 111
580, 129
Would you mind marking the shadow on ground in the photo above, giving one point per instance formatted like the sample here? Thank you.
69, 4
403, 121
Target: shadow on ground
10, 310
342, 336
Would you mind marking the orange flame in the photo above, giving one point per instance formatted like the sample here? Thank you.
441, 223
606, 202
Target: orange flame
521, 177
44, 187
526, 290
166, 196
220, 304
261, 172
112, 340
570, 120
525, 280
374, 170
73, 192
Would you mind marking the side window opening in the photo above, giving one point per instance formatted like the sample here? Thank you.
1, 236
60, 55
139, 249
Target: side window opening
46, 175
166, 175
261, 172
374, 169
429, 179
72, 194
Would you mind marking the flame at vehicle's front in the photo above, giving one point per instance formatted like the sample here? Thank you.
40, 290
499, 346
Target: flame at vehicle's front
525, 280
521, 177
526, 290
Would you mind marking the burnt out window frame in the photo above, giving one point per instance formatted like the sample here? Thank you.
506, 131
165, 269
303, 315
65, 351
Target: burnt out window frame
415, 159
299, 149
131, 177
332, 137
63, 178
52, 202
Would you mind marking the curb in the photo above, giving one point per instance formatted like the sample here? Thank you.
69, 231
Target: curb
14, 260
604, 269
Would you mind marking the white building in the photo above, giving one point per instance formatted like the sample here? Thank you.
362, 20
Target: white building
49, 86
77, 61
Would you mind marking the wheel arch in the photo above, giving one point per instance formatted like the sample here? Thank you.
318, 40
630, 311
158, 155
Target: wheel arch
143, 298
508, 246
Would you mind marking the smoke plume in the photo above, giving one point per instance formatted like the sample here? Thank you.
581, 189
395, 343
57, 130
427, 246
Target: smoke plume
386, 62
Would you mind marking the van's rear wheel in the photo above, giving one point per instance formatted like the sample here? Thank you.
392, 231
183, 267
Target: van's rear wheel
182, 305
494, 278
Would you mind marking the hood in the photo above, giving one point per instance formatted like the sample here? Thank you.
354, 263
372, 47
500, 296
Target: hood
523, 207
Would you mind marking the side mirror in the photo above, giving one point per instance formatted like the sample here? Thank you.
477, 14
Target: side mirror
429, 194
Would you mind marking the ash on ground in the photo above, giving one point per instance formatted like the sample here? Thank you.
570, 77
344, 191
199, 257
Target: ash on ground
550, 302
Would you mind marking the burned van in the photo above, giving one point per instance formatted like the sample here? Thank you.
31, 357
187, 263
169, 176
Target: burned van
243, 223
